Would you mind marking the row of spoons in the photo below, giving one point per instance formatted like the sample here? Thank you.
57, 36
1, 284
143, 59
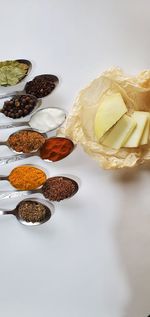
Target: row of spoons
45, 190
48, 190
50, 155
22, 103
41, 190
49, 207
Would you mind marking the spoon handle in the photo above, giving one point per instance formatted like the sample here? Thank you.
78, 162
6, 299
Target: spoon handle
3, 143
18, 193
5, 212
7, 95
3, 178
9, 159
14, 125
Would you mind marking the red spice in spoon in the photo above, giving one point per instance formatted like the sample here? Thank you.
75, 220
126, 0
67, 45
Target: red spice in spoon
56, 148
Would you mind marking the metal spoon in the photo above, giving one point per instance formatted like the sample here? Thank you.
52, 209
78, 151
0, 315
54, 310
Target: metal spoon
49, 212
18, 157
27, 123
20, 193
54, 79
6, 143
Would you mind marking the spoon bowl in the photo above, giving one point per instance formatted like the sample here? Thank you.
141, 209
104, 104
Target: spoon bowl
37, 104
27, 177
24, 61
49, 211
15, 212
6, 143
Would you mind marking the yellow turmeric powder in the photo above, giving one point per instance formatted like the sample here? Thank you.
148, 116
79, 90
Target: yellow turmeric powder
27, 177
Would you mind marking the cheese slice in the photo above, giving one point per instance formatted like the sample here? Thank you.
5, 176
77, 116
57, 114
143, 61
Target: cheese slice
149, 128
110, 110
117, 136
145, 135
141, 119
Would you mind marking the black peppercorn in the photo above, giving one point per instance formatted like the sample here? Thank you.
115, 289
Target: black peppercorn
41, 85
19, 106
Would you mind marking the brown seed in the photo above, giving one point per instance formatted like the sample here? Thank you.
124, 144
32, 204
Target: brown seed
59, 188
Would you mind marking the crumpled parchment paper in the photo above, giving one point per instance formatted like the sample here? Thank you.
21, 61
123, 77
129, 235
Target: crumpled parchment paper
80, 122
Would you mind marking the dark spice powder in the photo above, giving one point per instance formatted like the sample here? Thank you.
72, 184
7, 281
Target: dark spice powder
59, 188
31, 211
26, 141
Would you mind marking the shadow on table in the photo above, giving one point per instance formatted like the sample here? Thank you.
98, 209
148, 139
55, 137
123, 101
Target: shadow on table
133, 234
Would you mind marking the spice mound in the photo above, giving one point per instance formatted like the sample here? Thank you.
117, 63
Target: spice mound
56, 148
27, 177
47, 119
41, 85
26, 141
19, 106
11, 72
32, 211
59, 188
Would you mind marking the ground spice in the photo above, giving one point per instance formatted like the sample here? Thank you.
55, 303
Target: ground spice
27, 177
48, 119
31, 211
56, 148
26, 141
41, 85
59, 188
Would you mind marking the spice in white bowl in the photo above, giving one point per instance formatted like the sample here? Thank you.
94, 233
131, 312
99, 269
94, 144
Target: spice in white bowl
47, 119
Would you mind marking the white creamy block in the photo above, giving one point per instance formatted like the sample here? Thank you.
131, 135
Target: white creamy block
110, 110
145, 135
141, 119
117, 136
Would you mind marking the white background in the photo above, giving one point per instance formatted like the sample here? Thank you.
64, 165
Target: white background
92, 259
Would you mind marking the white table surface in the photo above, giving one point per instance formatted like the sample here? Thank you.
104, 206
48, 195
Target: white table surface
92, 259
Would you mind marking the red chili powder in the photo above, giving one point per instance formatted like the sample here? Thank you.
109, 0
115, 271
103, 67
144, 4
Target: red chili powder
56, 148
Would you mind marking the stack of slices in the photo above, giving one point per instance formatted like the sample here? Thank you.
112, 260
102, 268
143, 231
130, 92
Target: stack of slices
115, 128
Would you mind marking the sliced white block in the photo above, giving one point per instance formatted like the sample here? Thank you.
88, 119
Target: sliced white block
117, 136
141, 119
110, 110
